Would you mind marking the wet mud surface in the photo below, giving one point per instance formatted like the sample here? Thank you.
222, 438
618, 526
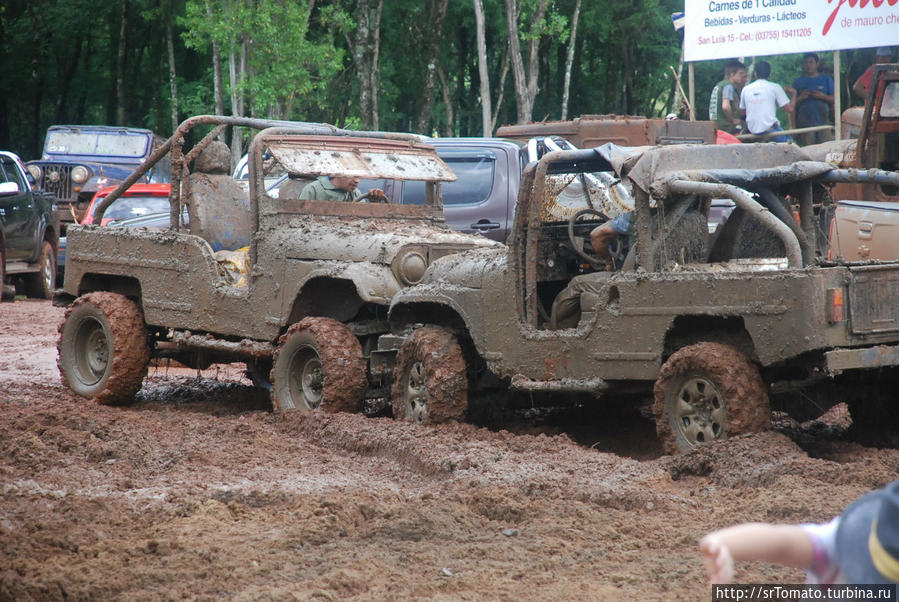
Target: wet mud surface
197, 490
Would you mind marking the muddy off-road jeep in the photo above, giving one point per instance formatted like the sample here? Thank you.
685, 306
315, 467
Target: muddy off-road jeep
306, 314
712, 336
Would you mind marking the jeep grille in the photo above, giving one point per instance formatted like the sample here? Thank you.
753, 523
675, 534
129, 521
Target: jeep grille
57, 179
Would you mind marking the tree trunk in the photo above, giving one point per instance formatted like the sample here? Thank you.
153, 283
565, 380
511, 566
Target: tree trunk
569, 59
375, 61
363, 66
486, 111
525, 83
120, 66
68, 76
173, 82
436, 17
504, 72
217, 73
448, 102
37, 80
236, 73
534, 56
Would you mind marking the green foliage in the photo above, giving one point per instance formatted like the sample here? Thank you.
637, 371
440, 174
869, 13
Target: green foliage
61, 56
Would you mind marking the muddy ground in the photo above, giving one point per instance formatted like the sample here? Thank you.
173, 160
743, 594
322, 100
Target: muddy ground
197, 491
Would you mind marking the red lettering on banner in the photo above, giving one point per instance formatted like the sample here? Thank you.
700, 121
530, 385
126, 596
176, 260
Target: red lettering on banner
852, 3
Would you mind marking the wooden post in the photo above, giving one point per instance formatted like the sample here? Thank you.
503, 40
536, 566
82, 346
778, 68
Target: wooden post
691, 92
837, 105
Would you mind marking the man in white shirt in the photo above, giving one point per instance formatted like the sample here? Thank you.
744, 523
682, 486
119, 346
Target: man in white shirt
760, 100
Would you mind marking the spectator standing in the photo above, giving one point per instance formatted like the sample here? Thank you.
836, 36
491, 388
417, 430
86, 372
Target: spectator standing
813, 100
760, 100
861, 85
724, 102
861, 546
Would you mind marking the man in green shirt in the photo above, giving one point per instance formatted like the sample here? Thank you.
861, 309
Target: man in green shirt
338, 188
724, 103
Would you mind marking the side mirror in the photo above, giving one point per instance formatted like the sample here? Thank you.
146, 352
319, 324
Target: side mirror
9, 188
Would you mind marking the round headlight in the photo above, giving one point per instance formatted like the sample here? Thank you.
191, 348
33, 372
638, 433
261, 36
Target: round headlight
412, 267
80, 174
35, 171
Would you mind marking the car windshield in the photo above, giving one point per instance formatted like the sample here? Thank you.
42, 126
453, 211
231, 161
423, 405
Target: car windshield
133, 206
103, 144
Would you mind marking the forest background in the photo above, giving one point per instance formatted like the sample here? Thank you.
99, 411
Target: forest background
437, 67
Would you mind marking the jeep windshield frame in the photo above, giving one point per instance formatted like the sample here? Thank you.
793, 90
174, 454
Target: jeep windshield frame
383, 154
101, 143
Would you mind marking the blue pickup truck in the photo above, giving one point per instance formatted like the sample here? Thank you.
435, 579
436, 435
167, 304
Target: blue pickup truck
29, 231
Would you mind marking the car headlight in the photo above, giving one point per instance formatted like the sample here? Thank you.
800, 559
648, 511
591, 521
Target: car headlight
80, 174
410, 265
35, 171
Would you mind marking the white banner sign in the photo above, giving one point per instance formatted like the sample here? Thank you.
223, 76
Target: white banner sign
732, 28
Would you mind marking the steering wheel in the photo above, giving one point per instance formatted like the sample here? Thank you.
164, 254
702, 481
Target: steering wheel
595, 262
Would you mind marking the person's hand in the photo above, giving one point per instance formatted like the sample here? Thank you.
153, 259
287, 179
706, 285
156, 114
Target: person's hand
790, 90
376, 195
719, 564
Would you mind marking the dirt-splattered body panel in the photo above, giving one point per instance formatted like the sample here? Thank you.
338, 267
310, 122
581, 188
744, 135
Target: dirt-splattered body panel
766, 294
627, 319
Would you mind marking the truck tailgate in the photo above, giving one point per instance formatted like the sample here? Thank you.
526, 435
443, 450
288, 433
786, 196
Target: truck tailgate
873, 291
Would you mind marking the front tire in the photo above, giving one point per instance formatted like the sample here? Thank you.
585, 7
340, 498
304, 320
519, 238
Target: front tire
103, 348
318, 365
40, 285
430, 382
705, 392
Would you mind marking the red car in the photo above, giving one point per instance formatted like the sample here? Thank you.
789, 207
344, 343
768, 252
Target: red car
140, 199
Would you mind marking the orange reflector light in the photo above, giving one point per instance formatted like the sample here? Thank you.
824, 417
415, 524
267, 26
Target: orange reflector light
836, 310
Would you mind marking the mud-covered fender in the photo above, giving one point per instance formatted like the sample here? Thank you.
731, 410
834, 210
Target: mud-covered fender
374, 283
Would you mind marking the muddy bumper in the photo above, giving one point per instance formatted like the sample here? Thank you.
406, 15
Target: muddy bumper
867, 357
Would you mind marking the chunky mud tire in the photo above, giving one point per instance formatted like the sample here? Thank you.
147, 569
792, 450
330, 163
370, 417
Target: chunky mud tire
318, 365
708, 391
103, 348
430, 382
40, 284
3, 295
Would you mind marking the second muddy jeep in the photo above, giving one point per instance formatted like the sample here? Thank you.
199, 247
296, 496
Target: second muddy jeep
711, 335
305, 314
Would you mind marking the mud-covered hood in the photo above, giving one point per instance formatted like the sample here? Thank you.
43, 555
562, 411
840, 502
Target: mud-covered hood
310, 237
471, 269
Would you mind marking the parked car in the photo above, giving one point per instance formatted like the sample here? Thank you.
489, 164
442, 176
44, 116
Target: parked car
79, 160
29, 231
140, 199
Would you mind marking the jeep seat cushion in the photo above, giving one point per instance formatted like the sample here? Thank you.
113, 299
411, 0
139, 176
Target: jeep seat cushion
219, 211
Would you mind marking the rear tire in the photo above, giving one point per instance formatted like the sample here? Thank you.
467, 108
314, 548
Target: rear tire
103, 348
318, 365
3, 289
430, 381
705, 392
40, 284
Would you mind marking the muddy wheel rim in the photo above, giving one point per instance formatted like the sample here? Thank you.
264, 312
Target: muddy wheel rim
93, 351
700, 413
307, 379
417, 394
